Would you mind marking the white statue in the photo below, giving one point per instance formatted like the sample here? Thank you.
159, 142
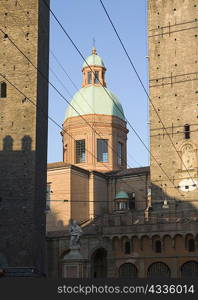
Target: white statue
75, 232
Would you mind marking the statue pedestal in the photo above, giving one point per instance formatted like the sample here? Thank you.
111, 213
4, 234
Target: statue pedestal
73, 264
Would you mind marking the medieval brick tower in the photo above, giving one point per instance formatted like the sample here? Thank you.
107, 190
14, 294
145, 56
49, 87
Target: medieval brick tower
23, 133
173, 59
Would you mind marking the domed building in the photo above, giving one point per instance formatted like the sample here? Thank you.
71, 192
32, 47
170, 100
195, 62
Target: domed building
94, 139
103, 219
95, 133
128, 225
93, 181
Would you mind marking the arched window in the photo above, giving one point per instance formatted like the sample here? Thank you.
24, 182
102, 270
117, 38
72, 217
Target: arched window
158, 246
191, 245
3, 90
127, 247
121, 205
89, 79
8, 143
128, 270
96, 77
26, 143
159, 270
99, 264
189, 269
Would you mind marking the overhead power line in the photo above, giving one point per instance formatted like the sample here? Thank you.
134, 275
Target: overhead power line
54, 122
135, 132
97, 132
65, 99
13, 43
30, 101
66, 73
46, 115
108, 169
94, 74
142, 84
101, 85
77, 89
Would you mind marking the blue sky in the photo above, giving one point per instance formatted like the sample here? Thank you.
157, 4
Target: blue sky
85, 20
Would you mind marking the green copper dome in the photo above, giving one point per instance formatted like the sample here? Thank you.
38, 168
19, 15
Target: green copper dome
122, 195
95, 100
93, 60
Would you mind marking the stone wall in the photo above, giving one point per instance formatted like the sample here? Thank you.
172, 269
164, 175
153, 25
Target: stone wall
174, 252
23, 134
76, 193
173, 68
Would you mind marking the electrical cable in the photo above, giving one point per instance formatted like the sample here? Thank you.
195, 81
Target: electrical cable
77, 89
53, 121
99, 81
5, 35
115, 31
106, 91
54, 87
142, 84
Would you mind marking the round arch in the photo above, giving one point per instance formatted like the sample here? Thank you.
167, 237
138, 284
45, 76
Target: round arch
99, 263
158, 270
189, 269
128, 270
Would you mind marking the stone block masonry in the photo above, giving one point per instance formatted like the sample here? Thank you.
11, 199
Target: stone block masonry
173, 68
23, 134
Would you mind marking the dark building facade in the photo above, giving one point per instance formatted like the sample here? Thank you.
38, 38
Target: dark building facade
23, 135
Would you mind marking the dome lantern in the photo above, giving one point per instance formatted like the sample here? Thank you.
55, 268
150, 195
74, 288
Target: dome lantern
94, 97
93, 70
121, 202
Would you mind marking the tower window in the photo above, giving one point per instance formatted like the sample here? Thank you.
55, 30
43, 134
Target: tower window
89, 78
186, 131
80, 151
127, 247
102, 150
158, 246
120, 153
3, 90
191, 245
96, 77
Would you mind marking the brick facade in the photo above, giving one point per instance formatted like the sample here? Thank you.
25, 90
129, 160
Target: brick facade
173, 67
156, 237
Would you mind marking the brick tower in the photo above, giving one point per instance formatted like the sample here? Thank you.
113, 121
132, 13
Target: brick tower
173, 67
23, 135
